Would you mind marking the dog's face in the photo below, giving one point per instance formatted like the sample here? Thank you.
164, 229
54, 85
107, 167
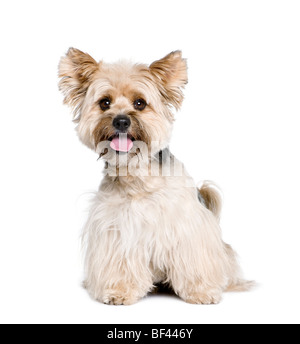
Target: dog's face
118, 105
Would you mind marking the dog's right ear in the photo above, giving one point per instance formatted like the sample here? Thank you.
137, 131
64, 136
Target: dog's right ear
76, 71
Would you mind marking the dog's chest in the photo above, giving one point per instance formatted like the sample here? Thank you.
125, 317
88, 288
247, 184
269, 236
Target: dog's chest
148, 212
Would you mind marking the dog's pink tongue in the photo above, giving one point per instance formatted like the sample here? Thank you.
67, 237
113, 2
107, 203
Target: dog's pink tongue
121, 143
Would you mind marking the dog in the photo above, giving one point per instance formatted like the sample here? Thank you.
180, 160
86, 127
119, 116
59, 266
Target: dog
149, 224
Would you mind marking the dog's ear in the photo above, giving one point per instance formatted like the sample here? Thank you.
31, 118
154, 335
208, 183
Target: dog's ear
76, 71
170, 74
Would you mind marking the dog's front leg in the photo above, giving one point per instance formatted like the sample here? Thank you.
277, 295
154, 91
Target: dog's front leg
197, 270
195, 289
114, 274
126, 283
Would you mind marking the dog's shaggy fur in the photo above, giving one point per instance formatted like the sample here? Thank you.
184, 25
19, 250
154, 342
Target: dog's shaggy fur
149, 223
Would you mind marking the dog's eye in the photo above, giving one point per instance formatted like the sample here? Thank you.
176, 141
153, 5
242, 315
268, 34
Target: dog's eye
139, 104
105, 104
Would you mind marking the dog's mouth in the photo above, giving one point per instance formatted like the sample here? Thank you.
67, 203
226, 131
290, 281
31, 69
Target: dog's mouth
121, 142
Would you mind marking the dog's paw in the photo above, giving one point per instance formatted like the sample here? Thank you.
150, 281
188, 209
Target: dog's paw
204, 298
118, 296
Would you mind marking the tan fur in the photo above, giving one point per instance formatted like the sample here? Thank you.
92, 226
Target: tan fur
76, 71
212, 197
145, 226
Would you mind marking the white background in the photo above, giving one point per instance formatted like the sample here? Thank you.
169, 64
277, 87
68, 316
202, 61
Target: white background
239, 126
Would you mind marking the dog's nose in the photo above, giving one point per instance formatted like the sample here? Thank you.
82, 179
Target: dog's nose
121, 122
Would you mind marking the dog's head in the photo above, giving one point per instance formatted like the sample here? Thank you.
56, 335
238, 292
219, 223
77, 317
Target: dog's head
118, 105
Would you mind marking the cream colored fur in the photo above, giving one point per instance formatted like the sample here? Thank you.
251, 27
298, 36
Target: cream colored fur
145, 229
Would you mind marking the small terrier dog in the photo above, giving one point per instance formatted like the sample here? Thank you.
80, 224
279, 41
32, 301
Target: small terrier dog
149, 223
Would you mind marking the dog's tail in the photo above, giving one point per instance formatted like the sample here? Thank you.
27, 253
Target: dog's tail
209, 195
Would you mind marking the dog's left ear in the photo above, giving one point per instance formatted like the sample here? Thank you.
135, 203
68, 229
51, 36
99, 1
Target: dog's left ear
76, 71
170, 74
